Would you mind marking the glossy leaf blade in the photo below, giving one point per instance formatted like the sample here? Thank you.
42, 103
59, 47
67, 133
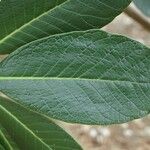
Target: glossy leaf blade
24, 21
32, 131
87, 77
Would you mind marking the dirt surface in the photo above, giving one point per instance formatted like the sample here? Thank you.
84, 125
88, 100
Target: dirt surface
129, 136
126, 26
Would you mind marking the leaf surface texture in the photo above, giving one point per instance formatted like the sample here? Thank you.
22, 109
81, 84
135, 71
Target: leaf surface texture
25, 130
28, 20
87, 77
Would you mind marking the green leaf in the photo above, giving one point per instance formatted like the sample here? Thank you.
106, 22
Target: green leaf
1, 147
6, 140
31, 131
144, 6
24, 21
87, 77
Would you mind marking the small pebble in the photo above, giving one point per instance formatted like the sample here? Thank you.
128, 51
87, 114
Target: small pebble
105, 132
128, 133
93, 133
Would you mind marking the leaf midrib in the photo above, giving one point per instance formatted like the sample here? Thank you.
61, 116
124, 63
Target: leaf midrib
28, 23
24, 126
65, 78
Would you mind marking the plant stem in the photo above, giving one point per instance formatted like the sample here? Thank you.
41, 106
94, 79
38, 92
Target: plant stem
135, 14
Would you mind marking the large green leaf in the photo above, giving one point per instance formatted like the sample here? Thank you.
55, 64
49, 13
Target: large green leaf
24, 21
30, 131
87, 77
144, 6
